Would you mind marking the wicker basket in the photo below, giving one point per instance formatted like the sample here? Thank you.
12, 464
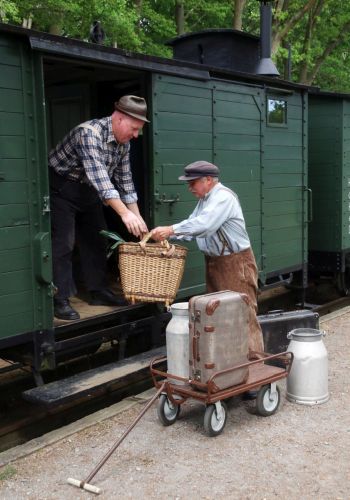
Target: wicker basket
151, 272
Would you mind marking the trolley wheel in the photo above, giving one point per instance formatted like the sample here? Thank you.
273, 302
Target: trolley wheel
214, 422
167, 411
265, 404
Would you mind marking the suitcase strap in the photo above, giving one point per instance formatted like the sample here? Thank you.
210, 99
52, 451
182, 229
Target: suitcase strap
195, 348
196, 316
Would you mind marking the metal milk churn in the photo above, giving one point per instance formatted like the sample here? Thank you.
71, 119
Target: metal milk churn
307, 382
177, 338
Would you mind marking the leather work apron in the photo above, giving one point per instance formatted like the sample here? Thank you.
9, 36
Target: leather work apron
237, 272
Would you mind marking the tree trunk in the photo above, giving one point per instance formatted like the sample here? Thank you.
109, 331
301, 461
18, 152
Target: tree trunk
310, 27
27, 23
305, 51
320, 60
238, 13
280, 34
180, 17
55, 28
138, 6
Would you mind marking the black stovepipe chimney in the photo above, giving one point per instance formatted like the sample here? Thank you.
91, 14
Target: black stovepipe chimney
265, 65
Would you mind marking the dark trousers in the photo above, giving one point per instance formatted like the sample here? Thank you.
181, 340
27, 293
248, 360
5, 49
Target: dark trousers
76, 218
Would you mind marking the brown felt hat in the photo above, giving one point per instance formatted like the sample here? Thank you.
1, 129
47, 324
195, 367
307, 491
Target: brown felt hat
199, 169
132, 105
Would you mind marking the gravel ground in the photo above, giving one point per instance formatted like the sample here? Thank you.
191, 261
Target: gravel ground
301, 452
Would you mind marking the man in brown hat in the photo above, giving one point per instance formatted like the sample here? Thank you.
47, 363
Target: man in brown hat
218, 225
89, 166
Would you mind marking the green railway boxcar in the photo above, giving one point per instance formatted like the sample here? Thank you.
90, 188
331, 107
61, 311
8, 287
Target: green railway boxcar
261, 157
329, 179
254, 129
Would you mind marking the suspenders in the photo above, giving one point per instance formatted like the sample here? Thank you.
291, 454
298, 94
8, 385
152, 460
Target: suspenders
225, 243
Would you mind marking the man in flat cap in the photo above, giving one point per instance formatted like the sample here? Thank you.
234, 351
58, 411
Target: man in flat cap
218, 225
88, 168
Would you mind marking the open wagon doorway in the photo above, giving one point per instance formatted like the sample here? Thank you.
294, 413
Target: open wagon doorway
75, 92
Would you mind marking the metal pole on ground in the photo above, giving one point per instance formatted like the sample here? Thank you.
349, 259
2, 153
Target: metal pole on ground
94, 489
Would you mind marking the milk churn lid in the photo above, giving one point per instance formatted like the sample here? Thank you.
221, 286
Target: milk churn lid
180, 308
306, 334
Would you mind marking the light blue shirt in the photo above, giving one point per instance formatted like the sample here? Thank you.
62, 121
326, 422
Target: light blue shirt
217, 210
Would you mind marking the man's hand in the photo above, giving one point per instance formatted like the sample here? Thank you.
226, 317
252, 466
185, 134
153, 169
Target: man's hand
134, 223
130, 216
162, 233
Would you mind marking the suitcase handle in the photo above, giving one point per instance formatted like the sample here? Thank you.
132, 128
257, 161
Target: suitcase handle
195, 349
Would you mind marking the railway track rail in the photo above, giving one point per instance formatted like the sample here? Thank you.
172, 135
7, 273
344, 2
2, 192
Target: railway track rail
27, 412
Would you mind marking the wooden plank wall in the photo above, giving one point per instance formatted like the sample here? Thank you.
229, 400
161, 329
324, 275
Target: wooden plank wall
325, 173
284, 177
16, 280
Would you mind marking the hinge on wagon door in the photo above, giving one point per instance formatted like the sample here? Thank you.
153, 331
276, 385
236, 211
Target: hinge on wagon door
51, 289
46, 205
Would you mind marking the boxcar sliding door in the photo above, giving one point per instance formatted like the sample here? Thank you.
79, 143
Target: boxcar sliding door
205, 120
284, 183
237, 150
182, 133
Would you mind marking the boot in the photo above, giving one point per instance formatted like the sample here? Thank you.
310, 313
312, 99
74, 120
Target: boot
106, 298
63, 310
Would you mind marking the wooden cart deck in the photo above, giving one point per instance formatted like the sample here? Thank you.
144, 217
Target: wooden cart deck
260, 374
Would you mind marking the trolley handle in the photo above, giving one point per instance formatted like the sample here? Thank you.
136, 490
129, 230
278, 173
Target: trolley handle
287, 355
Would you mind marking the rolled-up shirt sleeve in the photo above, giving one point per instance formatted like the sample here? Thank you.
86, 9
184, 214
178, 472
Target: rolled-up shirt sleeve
121, 185
122, 177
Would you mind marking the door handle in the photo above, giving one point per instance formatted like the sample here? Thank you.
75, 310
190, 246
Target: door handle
160, 199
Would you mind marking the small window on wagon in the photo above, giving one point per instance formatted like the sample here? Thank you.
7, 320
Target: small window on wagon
276, 112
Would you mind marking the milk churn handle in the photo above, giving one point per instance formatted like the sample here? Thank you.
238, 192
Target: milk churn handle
289, 334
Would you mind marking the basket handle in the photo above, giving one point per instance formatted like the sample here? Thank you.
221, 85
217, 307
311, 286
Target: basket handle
169, 249
144, 240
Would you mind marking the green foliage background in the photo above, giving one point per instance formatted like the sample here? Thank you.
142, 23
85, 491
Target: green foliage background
318, 30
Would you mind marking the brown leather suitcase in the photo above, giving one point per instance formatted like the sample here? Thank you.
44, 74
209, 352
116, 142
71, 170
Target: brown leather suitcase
218, 337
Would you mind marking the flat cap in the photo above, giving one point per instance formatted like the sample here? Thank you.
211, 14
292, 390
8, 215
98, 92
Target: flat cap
132, 105
199, 169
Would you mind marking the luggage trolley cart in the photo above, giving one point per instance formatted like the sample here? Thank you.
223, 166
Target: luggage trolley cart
261, 377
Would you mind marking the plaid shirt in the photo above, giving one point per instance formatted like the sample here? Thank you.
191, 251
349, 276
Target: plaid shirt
96, 159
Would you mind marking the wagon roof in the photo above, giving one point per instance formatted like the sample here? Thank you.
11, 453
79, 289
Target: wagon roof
210, 32
315, 91
74, 48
